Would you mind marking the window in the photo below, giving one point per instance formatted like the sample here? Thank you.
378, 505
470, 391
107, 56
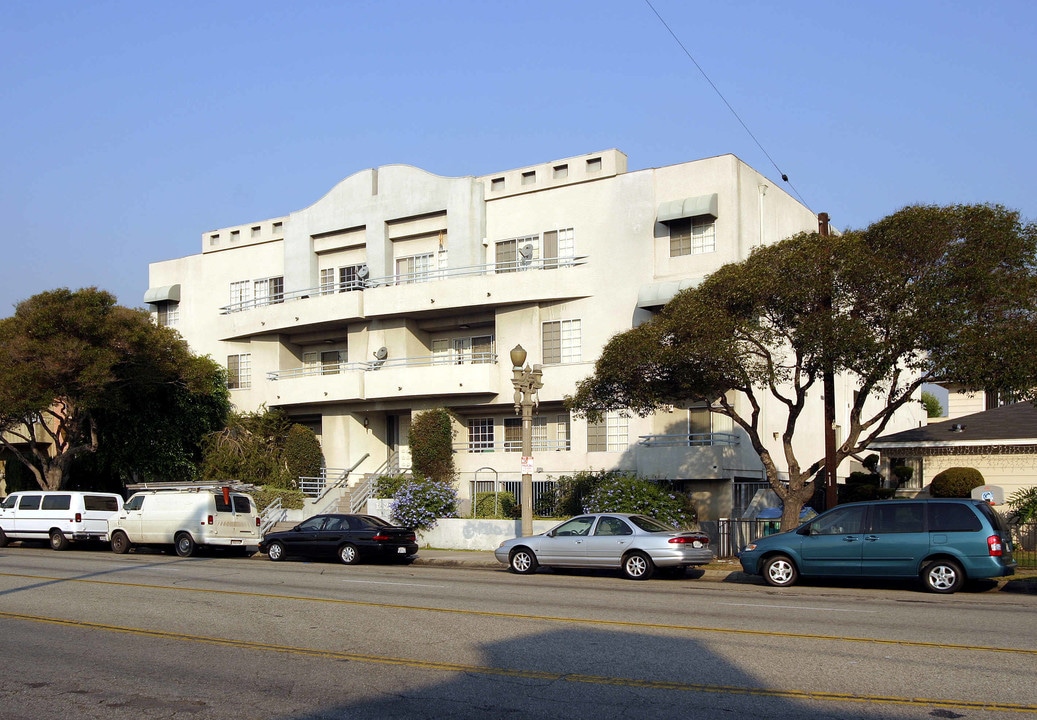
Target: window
610, 434
413, 269
594, 165
841, 521
560, 172
562, 342
480, 435
559, 248
277, 228
342, 279
29, 502
460, 350
169, 314
239, 371
897, 518
100, 502
235, 235
240, 294
255, 231
692, 236
529, 178
327, 281
134, 503
517, 253
497, 185
214, 240
268, 291
512, 434
56, 502
952, 517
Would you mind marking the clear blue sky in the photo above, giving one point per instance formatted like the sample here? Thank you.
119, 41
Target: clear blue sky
130, 128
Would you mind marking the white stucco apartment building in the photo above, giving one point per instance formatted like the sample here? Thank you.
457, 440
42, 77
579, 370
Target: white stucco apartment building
401, 291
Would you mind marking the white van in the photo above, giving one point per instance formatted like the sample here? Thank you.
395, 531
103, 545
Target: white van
186, 518
58, 516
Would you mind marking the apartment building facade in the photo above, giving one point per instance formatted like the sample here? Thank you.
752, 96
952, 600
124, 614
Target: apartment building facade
401, 291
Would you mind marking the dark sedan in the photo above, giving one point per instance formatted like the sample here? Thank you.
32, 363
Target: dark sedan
350, 538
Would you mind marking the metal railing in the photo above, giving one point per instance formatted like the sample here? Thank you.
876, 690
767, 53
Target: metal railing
419, 276
515, 446
543, 492
689, 440
474, 358
272, 514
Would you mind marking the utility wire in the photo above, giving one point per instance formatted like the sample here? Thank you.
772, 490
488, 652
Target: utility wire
784, 177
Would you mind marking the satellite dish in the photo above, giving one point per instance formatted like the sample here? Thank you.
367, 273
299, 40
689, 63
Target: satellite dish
381, 353
526, 251
362, 272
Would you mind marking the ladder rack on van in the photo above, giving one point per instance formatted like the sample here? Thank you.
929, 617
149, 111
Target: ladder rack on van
191, 487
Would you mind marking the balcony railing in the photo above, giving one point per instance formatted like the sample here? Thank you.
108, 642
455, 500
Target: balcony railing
474, 358
689, 440
515, 446
418, 276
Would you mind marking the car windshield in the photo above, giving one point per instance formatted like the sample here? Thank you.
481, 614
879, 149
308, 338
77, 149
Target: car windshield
649, 524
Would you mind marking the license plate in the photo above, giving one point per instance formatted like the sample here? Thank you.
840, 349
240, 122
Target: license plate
401, 551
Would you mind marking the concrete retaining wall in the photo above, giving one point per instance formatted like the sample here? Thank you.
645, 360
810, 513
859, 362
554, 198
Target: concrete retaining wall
476, 534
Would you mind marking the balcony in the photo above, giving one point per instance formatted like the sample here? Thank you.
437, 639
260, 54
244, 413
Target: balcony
488, 285
419, 376
691, 455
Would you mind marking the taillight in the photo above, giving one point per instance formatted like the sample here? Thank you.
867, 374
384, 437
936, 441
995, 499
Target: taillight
210, 519
689, 540
79, 517
257, 521
994, 546
380, 537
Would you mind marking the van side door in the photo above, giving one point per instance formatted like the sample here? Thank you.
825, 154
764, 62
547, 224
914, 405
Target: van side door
896, 540
835, 542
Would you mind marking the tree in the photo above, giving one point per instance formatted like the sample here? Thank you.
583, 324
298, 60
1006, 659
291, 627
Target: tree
251, 448
932, 405
926, 294
431, 445
81, 375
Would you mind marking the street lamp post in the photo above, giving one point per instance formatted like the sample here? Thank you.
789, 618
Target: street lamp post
526, 381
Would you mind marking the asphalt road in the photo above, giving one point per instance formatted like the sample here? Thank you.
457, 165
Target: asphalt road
90, 634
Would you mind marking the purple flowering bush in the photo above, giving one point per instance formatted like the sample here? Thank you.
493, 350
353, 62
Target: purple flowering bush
631, 494
420, 503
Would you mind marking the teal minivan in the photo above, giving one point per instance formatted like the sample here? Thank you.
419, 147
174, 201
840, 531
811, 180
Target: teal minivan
943, 541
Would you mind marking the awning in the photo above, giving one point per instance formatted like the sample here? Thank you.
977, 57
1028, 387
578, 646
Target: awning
169, 293
688, 207
655, 295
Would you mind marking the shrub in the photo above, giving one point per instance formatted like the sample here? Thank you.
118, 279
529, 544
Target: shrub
302, 453
629, 493
859, 486
431, 441
956, 482
571, 491
495, 505
290, 499
1024, 505
386, 486
420, 503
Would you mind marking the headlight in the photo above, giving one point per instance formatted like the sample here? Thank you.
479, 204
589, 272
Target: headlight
750, 547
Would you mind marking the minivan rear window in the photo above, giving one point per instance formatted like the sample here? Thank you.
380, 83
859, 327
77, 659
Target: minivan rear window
952, 517
56, 502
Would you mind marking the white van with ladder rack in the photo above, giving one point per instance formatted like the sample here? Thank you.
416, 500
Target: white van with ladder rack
186, 517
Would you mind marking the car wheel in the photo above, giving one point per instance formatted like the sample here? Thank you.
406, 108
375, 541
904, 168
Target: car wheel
58, 541
120, 543
638, 566
942, 576
275, 551
780, 571
523, 561
348, 554
184, 545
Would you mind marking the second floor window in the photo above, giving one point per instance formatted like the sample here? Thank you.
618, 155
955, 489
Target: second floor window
517, 253
239, 371
562, 342
559, 248
414, 268
480, 435
269, 290
169, 314
240, 294
611, 434
693, 236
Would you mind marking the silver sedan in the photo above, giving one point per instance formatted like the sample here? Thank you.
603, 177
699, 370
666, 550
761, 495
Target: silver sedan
636, 544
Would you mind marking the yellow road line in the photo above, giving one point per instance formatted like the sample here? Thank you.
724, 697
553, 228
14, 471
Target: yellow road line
547, 618
803, 695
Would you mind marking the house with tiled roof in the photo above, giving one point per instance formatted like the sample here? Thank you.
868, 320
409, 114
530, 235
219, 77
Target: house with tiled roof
1001, 443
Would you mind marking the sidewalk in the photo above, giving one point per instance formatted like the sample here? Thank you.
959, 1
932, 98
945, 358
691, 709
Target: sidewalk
721, 571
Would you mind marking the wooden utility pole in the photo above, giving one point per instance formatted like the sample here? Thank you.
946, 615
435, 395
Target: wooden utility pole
828, 383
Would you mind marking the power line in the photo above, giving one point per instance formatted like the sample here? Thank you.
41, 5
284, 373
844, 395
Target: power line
784, 177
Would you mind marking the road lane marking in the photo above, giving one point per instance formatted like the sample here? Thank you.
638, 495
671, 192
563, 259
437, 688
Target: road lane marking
538, 618
673, 685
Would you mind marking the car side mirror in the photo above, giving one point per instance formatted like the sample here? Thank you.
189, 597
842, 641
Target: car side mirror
805, 530
550, 533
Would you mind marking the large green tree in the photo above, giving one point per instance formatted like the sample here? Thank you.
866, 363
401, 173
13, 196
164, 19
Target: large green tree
926, 294
82, 377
